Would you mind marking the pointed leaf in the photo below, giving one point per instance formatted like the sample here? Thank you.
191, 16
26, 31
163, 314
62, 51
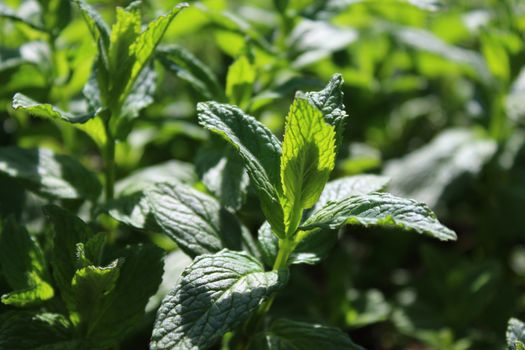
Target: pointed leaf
307, 160
91, 285
258, 148
123, 308
121, 56
239, 82
189, 68
380, 209
145, 45
215, 294
90, 124
330, 101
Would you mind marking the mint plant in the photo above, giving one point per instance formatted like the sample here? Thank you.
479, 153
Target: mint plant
122, 82
229, 291
74, 291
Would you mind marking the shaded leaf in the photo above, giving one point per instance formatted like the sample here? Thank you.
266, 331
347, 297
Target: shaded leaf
23, 266
286, 334
258, 148
189, 68
49, 174
431, 172
223, 173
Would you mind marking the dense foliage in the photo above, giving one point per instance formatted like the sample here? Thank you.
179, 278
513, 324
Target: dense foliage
262, 175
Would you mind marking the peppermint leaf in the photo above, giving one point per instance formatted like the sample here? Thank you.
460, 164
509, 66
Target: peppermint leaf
215, 294
380, 209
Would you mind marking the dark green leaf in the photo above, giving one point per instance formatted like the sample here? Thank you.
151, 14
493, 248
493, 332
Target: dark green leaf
29, 331
223, 173
257, 146
215, 294
380, 209
68, 230
192, 70
344, 187
49, 174
292, 335
131, 206
194, 220
91, 285
123, 308
23, 266
239, 82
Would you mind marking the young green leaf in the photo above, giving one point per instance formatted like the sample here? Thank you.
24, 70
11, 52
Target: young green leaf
258, 148
120, 55
189, 68
130, 50
515, 334
292, 335
194, 220
380, 209
91, 124
215, 295
123, 308
146, 43
239, 82
23, 266
49, 174
330, 102
91, 285
308, 158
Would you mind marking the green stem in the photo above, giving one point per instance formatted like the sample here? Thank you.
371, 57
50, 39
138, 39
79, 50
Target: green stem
286, 247
109, 166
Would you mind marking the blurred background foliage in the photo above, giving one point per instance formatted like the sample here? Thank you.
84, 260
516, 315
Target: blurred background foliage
436, 95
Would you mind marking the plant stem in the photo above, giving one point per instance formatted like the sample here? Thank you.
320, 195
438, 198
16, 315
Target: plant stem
109, 166
286, 247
